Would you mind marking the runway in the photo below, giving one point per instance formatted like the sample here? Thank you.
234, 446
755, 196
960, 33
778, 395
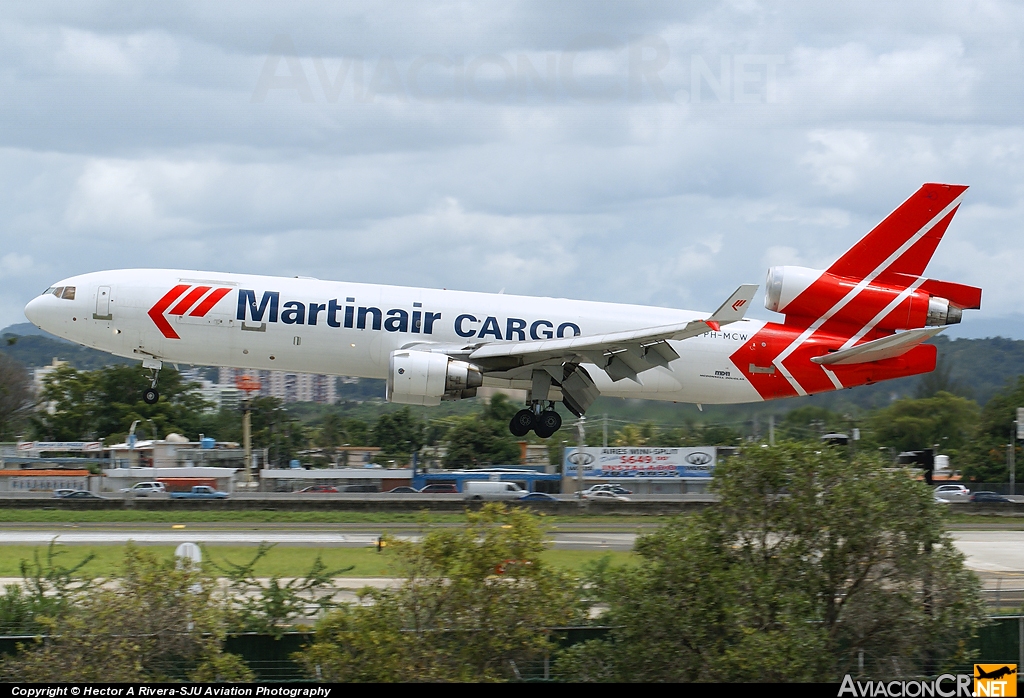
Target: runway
991, 551
317, 538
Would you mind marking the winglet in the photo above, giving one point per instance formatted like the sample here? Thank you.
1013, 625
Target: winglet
735, 308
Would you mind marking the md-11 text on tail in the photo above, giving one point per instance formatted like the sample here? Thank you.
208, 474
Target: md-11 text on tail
862, 320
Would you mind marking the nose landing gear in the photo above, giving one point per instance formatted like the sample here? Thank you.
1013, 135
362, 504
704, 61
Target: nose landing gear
150, 395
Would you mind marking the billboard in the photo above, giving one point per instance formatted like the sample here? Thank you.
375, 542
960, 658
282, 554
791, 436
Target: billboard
639, 461
87, 446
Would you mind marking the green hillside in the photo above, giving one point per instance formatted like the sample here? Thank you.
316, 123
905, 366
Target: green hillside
36, 350
974, 368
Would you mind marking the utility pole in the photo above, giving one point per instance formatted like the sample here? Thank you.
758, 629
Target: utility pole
248, 385
1019, 424
1011, 461
581, 440
604, 431
247, 439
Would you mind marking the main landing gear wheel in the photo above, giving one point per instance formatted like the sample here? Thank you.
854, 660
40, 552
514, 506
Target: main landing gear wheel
150, 396
521, 423
548, 422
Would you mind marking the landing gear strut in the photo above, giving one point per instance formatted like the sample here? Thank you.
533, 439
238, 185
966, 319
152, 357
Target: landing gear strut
150, 395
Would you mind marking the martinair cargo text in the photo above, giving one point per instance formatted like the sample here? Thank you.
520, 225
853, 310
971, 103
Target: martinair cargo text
862, 320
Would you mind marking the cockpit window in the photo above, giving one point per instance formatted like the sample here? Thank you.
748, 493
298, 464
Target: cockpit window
48, 291
69, 293
58, 290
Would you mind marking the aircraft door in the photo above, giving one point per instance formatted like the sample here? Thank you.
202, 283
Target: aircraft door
102, 304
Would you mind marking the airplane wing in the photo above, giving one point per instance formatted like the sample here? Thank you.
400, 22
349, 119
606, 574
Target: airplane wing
620, 354
878, 349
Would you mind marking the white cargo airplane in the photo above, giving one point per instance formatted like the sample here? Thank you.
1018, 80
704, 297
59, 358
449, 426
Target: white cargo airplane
862, 320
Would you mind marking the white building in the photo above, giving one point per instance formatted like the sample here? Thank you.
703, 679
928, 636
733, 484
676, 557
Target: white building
287, 387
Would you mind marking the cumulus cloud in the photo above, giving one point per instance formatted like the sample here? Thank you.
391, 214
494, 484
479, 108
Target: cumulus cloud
657, 153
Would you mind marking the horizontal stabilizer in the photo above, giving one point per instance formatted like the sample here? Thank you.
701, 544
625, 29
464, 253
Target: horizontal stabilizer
876, 350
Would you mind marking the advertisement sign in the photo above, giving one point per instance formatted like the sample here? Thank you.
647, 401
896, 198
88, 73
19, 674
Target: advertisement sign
86, 446
640, 461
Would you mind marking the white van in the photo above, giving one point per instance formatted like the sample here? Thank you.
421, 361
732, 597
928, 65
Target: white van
488, 489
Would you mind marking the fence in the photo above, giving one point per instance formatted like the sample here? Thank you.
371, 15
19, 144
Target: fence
270, 657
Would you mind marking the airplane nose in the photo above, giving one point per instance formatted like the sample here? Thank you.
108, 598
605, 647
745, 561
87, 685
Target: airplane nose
35, 311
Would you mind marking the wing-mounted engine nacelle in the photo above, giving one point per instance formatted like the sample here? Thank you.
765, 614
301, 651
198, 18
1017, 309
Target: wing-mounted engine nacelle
426, 378
789, 290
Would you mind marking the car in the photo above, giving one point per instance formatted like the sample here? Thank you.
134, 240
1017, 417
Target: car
605, 496
607, 487
989, 497
440, 488
142, 489
537, 497
940, 500
59, 493
77, 494
404, 490
951, 489
200, 492
319, 488
360, 488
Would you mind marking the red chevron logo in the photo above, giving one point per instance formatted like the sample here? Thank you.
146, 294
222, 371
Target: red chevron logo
195, 298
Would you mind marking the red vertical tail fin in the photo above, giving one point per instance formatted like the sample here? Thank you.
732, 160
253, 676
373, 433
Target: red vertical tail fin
904, 242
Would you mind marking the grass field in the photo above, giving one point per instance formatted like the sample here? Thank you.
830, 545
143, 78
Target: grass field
279, 561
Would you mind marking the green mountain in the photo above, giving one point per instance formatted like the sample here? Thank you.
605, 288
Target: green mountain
974, 368
40, 349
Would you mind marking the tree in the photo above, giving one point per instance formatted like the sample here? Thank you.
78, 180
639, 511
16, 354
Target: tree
810, 559
634, 435
483, 438
47, 590
499, 409
15, 397
474, 442
157, 623
275, 605
810, 423
943, 420
985, 459
473, 606
102, 403
398, 434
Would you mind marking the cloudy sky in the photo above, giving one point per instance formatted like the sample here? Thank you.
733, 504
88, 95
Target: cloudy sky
647, 152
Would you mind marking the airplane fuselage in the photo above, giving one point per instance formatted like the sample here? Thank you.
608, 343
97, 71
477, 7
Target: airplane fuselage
338, 328
863, 319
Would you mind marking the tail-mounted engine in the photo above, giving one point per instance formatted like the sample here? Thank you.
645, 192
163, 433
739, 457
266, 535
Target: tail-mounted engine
903, 301
425, 378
